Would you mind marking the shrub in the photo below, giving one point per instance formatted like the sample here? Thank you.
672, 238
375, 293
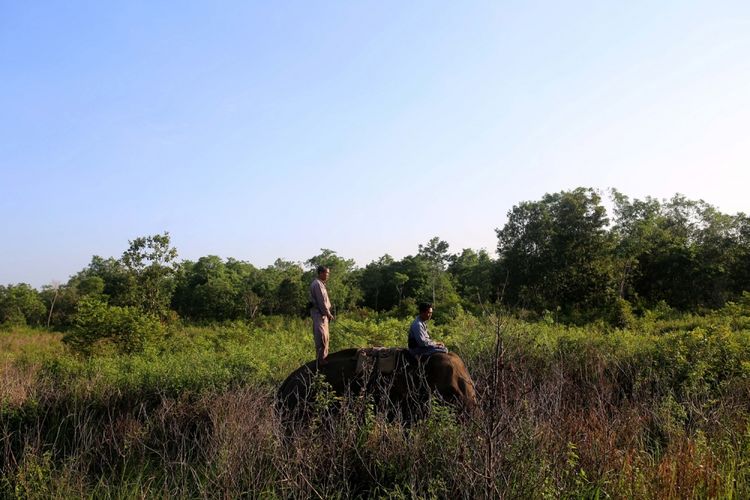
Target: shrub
622, 314
20, 305
98, 326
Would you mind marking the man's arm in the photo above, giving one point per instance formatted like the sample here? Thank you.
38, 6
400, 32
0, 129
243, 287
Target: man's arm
320, 300
420, 334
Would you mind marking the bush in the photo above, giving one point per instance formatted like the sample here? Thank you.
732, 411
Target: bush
622, 314
20, 305
98, 326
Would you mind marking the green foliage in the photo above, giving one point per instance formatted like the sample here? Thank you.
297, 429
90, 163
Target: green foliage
681, 251
475, 276
284, 288
435, 252
148, 375
738, 312
97, 326
399, 285
384, 282
702, 360
576, 481
120, 285
325, 400
558, 258
588, 411
20, 305
211, 289
622, 314
149, 260
372, 281
557, 252
560, 252
142, 278
33, 478
62, 299
389, 332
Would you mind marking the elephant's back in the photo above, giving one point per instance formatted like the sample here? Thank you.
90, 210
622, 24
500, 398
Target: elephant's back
344, 354
299, 381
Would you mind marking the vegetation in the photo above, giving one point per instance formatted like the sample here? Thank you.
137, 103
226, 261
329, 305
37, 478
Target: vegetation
562, 255
660, 409
611, 357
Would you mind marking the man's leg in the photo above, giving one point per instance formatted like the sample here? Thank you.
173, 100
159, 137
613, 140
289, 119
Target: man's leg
320, 335
323, 359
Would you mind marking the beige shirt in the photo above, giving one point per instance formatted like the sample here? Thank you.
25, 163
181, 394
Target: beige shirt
319, 297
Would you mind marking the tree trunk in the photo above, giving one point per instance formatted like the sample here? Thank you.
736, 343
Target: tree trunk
52, 307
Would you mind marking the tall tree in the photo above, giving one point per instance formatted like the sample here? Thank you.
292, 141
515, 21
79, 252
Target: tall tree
373, 281
150, 260
400, 279
436, 254
54, 289
636, 230
740, 268
557, 253
289, 287
210, 290
684, 252
472, 273
120, 286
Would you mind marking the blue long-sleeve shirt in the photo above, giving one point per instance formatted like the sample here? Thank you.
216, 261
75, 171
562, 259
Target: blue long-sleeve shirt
419, 339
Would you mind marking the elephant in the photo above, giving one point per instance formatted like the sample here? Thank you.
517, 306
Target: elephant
408, 386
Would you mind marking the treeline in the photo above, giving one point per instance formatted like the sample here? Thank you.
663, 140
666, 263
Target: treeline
562, 255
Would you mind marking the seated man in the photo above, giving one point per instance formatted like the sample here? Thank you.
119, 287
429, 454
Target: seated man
420, 342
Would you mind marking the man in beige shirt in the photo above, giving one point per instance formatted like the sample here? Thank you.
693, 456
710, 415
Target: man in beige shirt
320, 310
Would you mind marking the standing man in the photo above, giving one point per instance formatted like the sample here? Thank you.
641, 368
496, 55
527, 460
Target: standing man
320, 310
419, 340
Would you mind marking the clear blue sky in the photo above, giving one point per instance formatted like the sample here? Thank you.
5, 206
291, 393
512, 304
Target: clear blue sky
258, 130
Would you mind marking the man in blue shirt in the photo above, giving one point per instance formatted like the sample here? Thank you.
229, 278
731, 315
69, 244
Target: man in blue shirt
420, 342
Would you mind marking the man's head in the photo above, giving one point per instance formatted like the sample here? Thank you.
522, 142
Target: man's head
425, 311
323, 273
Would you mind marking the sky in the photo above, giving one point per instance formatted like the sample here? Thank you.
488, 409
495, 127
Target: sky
265, 130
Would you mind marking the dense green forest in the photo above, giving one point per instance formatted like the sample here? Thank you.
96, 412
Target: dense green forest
563, 255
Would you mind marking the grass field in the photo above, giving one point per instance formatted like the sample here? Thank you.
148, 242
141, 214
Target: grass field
658, 410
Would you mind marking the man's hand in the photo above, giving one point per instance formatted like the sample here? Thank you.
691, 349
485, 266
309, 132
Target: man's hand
330, 317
